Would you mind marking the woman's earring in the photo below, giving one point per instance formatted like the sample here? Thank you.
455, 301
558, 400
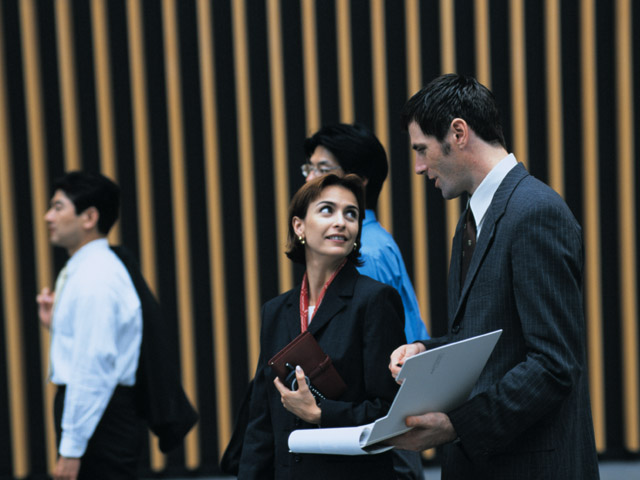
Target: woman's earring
301, 239
355, 245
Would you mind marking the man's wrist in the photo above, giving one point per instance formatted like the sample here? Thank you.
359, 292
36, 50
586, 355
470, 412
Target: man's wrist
71, 447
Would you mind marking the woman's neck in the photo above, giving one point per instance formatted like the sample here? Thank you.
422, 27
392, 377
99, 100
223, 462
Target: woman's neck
318, 273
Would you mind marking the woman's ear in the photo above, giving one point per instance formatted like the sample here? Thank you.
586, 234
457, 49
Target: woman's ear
298, 226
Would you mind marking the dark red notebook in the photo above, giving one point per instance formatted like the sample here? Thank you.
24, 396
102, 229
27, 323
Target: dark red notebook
305, 351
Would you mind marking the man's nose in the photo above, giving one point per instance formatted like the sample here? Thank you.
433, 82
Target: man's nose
312, 174
420, 167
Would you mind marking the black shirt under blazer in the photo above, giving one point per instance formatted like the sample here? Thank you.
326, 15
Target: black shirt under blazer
358, 324
529, 415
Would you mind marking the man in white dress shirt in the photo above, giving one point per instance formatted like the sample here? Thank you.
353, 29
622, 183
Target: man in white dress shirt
95, 319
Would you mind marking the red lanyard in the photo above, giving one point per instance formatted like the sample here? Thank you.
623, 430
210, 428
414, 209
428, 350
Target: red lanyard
304, 297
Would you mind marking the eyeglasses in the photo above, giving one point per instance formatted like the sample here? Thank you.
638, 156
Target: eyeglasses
307, 168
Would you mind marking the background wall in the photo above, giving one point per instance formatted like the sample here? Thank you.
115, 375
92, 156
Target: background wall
199, 109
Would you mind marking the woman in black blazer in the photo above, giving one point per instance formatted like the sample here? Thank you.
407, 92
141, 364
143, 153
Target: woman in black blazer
357, 321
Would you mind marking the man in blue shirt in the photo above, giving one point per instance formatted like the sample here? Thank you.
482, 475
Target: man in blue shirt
341, 149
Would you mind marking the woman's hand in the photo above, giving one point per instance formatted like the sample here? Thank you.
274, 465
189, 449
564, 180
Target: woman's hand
299, 402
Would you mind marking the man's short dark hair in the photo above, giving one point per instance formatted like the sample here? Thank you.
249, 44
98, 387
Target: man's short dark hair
86, 189
358, 151
455, 96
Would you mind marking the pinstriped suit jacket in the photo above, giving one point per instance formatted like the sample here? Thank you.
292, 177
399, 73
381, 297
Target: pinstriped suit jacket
529, 415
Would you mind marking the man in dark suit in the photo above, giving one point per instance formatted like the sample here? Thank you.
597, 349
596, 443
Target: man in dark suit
529, 415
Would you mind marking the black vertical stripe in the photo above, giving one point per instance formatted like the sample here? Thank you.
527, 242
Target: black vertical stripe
465, 36
536, 90
294, 93
397, 151
500, 64
263, 161
327, 55
572, 107
84, 82
50, 86
607, 179
362, 62
635, 55
123, 121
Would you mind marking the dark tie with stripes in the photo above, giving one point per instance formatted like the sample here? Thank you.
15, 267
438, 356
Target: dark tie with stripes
468, 243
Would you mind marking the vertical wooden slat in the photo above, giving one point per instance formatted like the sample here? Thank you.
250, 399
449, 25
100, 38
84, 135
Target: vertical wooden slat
591, 207
279, 135
66, 65
180, 220
448, 51
345, 70
310, 66
518, 80
418, 182
626, 203
247, 188
215, 225
144, 188
482, 42
380, 102
555, 129
104, 101
11, 294
36, 142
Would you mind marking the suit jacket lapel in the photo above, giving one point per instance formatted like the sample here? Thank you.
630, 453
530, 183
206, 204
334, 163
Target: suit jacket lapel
292, 313
342, 286
491, 219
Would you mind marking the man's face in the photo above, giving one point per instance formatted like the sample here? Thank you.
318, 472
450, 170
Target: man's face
321, 162
437, 161
64, 225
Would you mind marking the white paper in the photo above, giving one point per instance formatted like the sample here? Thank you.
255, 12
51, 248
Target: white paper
334, 441
437, 380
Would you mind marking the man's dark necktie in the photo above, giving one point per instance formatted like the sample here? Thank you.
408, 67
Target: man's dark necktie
468, 243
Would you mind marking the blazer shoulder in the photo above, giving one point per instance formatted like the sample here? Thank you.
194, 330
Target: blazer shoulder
367, 289
365, 282
284, 300
534, 195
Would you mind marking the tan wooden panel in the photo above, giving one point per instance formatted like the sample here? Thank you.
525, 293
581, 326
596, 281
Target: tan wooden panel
591, 207
215, 226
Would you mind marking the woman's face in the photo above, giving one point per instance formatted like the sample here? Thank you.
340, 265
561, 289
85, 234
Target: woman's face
330, 226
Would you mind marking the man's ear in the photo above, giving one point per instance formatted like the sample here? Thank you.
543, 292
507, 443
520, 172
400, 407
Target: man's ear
460, 131
90, 218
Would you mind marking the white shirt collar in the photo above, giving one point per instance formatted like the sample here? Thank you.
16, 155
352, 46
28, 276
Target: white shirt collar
482, 197
93, 245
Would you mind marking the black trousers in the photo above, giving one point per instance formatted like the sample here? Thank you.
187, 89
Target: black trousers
114, 449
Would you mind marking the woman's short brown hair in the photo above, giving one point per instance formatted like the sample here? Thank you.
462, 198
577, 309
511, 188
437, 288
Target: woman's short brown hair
307, 194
